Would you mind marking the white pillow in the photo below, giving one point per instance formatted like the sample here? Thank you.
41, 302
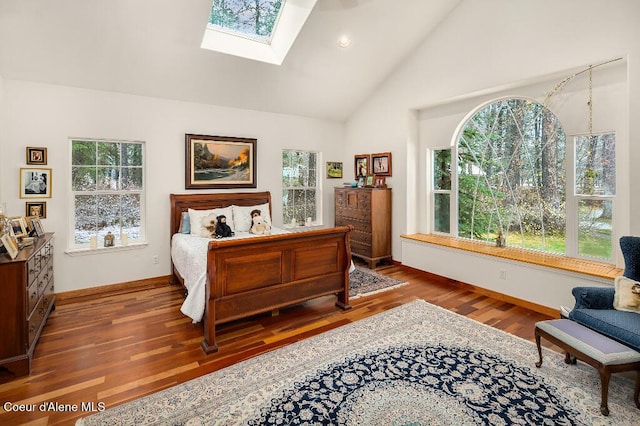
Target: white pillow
242, 216
627, 295
196, 218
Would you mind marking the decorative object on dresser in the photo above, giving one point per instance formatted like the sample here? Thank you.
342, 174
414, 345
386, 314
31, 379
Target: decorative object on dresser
368, 210
26, 300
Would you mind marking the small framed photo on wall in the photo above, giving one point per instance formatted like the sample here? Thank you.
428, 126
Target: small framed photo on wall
36, 208
381, 164
334, 170
35, 183
361, 165
36, 156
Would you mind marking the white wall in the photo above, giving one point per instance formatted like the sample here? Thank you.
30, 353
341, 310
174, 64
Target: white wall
47, 116
487, 46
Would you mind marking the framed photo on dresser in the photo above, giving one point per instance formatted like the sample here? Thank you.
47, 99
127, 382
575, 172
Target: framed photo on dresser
10, 244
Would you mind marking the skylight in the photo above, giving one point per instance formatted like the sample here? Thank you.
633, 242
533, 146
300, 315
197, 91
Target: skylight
255, 19
263, 30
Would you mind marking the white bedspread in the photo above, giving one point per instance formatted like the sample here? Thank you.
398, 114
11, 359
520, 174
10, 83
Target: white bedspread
189, 255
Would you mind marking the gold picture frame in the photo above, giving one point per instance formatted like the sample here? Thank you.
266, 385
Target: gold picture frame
35, 183
36, 208
36, 156
10, 245
36, 225
219, 162
18, 226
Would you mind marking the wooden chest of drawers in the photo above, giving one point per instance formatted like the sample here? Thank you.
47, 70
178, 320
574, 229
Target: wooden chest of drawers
368, 210
26, 300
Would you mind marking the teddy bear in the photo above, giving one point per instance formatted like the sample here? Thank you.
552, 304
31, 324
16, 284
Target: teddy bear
209, 224
222, 229
260, 226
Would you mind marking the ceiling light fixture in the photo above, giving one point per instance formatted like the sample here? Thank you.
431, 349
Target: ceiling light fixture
344, 41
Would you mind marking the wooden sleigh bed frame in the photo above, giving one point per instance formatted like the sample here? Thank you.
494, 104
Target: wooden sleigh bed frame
250, 276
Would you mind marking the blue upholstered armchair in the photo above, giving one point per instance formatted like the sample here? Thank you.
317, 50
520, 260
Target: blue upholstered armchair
594, 305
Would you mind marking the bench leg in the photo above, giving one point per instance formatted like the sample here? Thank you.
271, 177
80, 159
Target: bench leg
539, 363
605, 375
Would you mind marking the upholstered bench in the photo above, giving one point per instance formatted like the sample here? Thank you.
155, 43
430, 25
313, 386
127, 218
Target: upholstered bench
595, 349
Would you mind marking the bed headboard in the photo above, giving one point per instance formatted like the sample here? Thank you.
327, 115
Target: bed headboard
182, 202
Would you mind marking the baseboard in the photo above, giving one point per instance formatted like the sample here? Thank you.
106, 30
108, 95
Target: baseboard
554, 313
112, 289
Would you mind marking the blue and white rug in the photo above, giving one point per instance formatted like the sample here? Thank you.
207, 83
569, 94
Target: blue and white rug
366, 282
417, 364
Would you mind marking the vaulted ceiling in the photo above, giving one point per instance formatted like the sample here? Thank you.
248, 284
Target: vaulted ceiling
152, 48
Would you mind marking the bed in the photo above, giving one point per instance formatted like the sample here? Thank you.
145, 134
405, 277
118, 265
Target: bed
232, 278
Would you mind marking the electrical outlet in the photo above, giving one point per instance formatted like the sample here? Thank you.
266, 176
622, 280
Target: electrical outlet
502, 274
156, 259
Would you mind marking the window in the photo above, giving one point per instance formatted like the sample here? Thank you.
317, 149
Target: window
107, 187
300, 188
513, 177
262, 30
442, 190
595, 186
252, 19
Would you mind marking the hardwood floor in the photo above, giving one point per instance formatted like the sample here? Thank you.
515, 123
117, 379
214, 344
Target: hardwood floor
119, 347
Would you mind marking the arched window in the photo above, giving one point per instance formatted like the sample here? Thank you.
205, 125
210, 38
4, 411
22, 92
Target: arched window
511, 178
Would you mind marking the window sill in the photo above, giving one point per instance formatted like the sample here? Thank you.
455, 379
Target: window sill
565, 263
101, 250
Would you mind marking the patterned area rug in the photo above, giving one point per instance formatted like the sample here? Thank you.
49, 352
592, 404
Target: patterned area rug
365, 281
416, 364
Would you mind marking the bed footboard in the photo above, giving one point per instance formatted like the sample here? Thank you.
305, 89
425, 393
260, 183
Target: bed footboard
255, 275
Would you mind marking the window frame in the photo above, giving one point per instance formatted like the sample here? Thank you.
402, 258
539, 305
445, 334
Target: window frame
318, 191
571, 195
85, 248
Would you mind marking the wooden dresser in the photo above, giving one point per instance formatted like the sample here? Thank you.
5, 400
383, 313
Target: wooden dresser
26, 300
368, 210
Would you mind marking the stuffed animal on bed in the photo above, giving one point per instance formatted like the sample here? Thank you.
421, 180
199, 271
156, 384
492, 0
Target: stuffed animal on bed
209, 224
222, 229
260, 226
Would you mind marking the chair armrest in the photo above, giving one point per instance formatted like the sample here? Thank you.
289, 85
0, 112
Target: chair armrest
593, 297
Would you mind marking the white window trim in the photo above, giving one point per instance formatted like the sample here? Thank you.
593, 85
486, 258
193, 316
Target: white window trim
84, 249
319, 193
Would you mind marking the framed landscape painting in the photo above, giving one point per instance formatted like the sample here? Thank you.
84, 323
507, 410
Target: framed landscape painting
219, 162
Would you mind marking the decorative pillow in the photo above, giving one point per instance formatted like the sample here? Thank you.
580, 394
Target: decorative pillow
242, 216
627, 296
199, 219
185, 224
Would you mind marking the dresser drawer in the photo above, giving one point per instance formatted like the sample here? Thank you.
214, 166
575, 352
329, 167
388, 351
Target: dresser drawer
361, 248
35, 320
358, 225
361, 237
32, 297
33, 268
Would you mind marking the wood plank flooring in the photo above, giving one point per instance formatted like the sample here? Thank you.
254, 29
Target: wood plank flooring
119, 347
